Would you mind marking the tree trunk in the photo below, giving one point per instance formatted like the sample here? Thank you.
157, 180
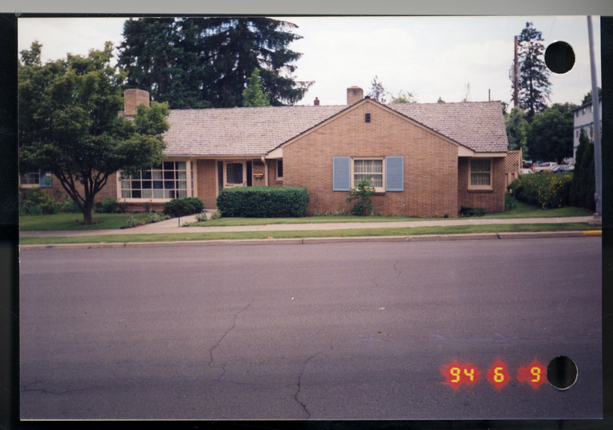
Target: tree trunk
87, 213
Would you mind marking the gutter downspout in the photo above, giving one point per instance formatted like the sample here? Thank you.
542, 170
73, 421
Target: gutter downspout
265, 171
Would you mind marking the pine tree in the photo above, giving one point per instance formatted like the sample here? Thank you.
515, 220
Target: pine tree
155, 57
254, 95
209, 60
534, 85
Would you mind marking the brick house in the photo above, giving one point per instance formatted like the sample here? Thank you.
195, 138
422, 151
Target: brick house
424, 159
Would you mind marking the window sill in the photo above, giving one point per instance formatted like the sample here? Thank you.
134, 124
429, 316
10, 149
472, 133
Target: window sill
481, 190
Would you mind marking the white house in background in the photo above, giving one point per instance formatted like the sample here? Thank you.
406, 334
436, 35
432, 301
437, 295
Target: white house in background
584, 118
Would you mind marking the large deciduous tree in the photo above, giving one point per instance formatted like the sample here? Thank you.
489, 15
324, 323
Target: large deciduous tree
534, 85
404, 98
69, 123
210, 60
377, 91
550, 136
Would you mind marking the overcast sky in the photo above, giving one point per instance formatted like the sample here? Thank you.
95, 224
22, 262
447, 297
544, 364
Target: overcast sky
430, 57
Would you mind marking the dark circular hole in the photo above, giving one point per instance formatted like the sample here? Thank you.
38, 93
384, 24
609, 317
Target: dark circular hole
562, 372
559, 57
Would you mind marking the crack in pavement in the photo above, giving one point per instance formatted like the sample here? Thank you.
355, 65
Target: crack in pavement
226, 333
300, 380
396, 269
26, 389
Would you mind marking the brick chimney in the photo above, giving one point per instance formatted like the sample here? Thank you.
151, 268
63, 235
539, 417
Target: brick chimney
354, 95
316, 102
133, 98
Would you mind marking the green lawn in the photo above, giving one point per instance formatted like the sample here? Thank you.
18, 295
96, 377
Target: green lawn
405, 231
73, 221
521, 210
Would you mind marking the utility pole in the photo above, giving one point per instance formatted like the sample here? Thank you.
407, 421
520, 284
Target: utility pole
515, 75
596, 109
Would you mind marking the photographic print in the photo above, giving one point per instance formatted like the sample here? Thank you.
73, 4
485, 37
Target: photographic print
310, 218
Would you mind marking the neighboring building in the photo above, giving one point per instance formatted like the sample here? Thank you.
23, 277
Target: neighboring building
584, 118
424, 159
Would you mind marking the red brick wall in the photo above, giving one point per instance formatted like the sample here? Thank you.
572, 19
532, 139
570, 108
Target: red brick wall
272, 174
109, 190
493, 199
207, 183
430, 163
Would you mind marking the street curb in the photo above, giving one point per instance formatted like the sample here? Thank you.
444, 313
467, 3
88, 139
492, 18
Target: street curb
540, 234
592, 233
320, 240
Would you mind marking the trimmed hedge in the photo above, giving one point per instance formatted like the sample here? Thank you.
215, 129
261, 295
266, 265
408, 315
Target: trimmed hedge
263, 202
183, 207
544, 189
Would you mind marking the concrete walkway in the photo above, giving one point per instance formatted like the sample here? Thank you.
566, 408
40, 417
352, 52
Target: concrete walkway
172, 226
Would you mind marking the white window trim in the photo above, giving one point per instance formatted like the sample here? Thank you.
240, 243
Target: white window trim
190, 191
279, 178
22, 185
377, 189
480, 187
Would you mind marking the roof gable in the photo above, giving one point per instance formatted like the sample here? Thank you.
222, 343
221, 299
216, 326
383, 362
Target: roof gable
256, 131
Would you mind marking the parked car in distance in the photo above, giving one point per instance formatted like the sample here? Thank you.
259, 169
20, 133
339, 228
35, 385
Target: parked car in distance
543, 167
562, 168
525, 171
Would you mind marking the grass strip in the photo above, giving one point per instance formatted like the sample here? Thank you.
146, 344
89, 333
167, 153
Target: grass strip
73, 221
403, 231
521, 210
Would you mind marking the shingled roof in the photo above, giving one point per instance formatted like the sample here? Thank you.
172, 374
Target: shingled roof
257, 131
476, 125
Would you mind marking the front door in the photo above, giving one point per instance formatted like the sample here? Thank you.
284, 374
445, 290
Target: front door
234, 174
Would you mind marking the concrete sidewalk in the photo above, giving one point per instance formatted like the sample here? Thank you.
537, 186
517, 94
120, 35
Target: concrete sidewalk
172, 226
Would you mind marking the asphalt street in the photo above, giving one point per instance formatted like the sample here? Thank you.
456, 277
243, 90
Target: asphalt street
318, 331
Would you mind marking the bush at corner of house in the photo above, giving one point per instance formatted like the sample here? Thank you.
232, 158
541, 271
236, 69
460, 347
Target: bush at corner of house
263, 202
36, 201
545, 190
183, 207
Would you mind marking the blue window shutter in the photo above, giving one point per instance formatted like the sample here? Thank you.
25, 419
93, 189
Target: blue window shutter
341, 175
44, 179
394, 173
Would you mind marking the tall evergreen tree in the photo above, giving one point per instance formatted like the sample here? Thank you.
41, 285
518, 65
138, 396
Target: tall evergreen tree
254, 95
534, 85
583, 185
155, 57
210, 60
